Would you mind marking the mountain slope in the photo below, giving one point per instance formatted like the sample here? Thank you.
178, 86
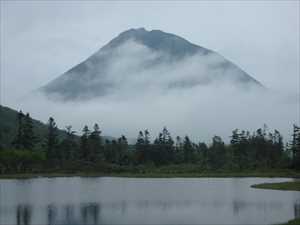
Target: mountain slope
8, 128
138, 58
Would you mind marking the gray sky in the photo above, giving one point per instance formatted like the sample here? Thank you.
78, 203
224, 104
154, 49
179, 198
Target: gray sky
41, 39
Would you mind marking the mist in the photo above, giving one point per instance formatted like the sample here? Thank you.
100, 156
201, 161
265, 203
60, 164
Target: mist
36, 48
214, 102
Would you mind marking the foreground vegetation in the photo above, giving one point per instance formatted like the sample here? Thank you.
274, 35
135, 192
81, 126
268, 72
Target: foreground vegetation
293, 222
285, 186
259, 153
164, 172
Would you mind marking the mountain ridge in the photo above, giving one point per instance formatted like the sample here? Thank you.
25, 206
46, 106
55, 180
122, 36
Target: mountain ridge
92, 77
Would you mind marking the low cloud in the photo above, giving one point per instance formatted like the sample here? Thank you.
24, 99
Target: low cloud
142, 99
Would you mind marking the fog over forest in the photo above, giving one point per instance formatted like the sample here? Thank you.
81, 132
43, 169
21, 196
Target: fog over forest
142, 99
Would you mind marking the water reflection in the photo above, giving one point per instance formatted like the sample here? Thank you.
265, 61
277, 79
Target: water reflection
297, 209
90, 213
79, 201
23, 214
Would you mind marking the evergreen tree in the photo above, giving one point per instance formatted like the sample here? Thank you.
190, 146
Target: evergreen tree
139, 146
140, 139
84, 143
203, 154
188, 150
217, 153
179, 154
178, 144
69, 146
95, 145
146, 137
123, 157
28, 133
52, 141
18, 141
163, 152
237, 140
277, 149
143, 147
296, 147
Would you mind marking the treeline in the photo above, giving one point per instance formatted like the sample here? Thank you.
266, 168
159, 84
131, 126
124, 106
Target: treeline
90, 152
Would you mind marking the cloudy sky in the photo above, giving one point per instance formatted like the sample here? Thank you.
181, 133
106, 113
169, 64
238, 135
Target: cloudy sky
42, 39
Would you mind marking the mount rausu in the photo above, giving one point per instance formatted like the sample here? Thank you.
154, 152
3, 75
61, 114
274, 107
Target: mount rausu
139, 61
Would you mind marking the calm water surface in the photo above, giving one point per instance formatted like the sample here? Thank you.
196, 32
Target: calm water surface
144, 201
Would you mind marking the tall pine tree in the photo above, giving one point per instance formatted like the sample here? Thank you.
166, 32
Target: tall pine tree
52, 141
84, 143
18, 141
95, 145
28, 133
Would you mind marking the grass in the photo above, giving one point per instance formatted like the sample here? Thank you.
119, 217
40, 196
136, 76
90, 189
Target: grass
157, 174
284, 186
293, 222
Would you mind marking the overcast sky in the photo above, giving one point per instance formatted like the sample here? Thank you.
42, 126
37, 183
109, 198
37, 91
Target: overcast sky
42, 39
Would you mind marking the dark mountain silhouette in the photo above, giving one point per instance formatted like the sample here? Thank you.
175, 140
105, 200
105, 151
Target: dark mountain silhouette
151, 53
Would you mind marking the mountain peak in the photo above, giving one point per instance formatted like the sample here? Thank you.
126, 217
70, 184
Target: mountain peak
157, 40
135, 30
108, 70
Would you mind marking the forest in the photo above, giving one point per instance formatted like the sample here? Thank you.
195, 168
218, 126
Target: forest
90, 152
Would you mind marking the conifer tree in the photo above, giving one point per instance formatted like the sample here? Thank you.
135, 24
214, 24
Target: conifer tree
296, 147
146, 137
69, 145
52, 140
84, 143
139, 146
95, 144
28, 133
187, 149
18, 141
122, 150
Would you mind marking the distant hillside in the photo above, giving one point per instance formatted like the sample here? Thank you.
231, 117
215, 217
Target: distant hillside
8, 128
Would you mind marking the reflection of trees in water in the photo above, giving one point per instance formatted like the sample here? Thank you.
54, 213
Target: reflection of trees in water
70, 215
89, 214
297, 209
23, 214
239, 206
51, 214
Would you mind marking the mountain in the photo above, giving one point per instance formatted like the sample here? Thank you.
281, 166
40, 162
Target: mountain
138, 59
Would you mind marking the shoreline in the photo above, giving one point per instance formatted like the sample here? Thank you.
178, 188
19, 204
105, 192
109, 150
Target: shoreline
281, 186
282, 174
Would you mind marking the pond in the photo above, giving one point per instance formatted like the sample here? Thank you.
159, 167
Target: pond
111, 200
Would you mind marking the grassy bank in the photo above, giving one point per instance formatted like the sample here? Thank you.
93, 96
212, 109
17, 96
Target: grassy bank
293, 222
158, 174
284, 186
